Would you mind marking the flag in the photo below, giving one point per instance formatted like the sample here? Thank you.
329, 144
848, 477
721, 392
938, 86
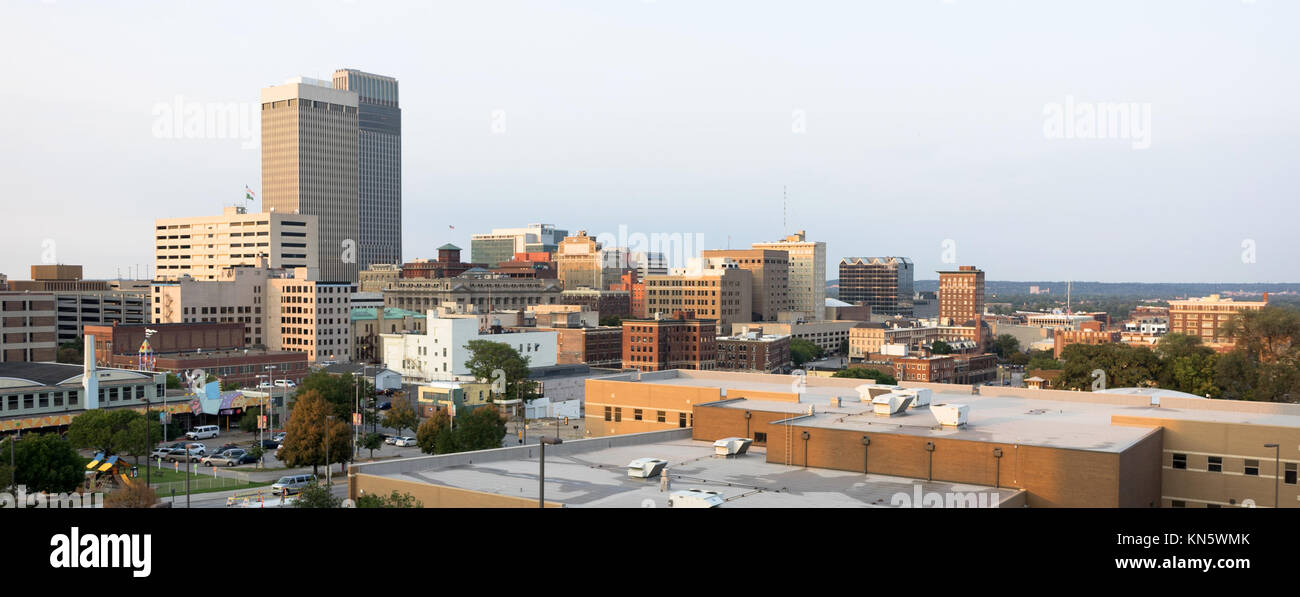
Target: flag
452, 227
248, 193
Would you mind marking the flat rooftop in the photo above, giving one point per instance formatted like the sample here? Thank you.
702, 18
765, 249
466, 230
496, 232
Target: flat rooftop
599, 479
1049, 418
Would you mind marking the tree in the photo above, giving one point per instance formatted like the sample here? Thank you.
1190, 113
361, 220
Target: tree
173, 382
482, 429
866, 373
248, 423
395, 499
317, 496
1266, 335
372, 442
1006, 345
340, 391
844, 347
803, 351
137, 495
433, 428
502, 366
940, 347
44, 462
1187, 366
229, 386
71, 353
611, 320
1041, 359
304, 441
1124, 366
401, 416
117, 431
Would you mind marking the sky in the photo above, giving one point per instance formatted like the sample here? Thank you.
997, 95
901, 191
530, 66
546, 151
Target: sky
951, 132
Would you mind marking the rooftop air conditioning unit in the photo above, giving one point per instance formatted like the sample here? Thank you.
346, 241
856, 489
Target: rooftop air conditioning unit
920, 396
695, 498
890, 404
644, 468
732, 446
950, 415
868, 391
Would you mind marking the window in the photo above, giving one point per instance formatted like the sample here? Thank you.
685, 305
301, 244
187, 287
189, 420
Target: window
1290, 476
681, 420
609, 413
1177, 504
1252, 468
1180, 461
636, 415
663, 418
618, 415
1216, 464
760, 437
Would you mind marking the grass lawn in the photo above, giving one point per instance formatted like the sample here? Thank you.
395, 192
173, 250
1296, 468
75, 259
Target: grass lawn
200, 482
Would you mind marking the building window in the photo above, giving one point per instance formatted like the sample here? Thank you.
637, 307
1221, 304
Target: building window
681, 420
636, 415
1180, 461
609, 413
1177, 504
1290, 476
663, 418
1216, 464
760, 437
1252, 468
618, 415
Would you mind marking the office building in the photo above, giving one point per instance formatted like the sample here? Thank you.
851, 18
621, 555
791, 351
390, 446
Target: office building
310, 316
713, 288
310, 166
1204, 318
883, 283
961, 295
770, 273
751, 350
216, 348
680, 342
379, 160
27, 327
807, 277
447, 265
369, 323
201, 247
379, 276
483, 292
503, 243
581, 262
441, 352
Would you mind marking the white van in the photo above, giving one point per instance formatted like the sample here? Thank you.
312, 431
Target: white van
203, 432
285, 383
292, 483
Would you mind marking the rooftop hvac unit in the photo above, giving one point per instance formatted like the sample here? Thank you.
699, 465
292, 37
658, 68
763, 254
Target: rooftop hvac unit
868, 391
920, 396
644, 468
695, 498
732, 446
950, 415
890, 404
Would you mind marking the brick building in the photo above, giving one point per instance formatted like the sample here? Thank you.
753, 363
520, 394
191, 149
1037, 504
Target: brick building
754, 351
1204, 318
681, 342
447, 265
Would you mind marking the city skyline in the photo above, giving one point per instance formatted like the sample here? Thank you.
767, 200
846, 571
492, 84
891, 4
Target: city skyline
673, 116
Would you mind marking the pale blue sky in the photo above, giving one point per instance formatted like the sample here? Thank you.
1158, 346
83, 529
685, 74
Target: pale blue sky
924, 122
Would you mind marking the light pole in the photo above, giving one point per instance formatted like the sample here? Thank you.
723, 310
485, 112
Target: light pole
1277, 469
327, 449
541, 469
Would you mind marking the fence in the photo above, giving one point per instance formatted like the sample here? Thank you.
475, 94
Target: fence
202, 481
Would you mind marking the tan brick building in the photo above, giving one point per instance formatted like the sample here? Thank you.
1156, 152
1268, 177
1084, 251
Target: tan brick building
201, 247
719, 291
770, 279
1204, 318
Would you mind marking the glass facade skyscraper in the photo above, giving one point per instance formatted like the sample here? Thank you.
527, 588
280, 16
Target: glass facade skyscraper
379, 144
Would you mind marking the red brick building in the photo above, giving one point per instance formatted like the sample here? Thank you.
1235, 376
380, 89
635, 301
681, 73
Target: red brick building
448, 265
528, 265
678, 343
216, 348
752, 351
592, 346
636, 294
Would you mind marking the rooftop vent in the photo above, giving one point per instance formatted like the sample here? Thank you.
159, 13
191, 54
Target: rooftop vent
950, 415
890, 404
645, 468
920, 396
868, 391
695, 498
732, 446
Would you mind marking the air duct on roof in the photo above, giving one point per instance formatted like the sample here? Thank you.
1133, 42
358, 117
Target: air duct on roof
868, 391
890, 404
950, 415
695, 498
646, 468
920, 396
732, 446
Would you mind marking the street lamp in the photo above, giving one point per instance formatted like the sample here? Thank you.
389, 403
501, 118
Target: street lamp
1277, 469
541, 469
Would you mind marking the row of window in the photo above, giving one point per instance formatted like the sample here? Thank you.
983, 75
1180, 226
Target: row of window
615, 414
1250, 467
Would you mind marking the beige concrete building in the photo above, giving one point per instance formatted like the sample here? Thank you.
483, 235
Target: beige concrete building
770, 270
711, 289
1204, 317
581, 262
238, 294
310, 316
807, 277
201, 247
378, 277
481, 292
310, 165
829, 335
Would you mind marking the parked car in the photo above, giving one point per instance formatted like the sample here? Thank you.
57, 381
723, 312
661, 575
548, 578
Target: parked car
160, 452
184, 455
269, 444
266, 385
390, 440
285, 383
385, 405
230, 458
404, 441
225, 447
292, 483
278, 436
203, 432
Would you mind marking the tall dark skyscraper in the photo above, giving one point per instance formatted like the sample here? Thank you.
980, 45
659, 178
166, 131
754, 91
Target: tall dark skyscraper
379, 163
885, 283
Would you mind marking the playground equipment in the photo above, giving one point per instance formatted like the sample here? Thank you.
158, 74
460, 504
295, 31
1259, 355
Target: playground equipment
101, 470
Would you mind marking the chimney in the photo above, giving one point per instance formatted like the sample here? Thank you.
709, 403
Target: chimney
90, 375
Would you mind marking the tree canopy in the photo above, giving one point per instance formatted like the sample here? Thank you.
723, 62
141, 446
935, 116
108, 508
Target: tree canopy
116, 431
502, 366
401, 416
803, 351
480, 429
43, 462
304, 441
867, 373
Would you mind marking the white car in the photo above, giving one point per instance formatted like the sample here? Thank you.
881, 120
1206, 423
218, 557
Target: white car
285, 383
266, 385
404, 441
